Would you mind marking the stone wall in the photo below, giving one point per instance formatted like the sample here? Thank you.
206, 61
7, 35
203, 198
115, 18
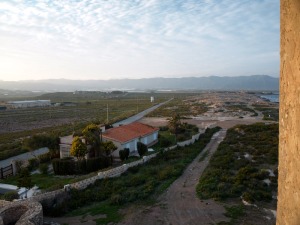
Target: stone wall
288, 209
22, 213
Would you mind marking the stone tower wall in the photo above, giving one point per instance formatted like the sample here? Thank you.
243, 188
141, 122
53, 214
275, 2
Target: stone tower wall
288, 208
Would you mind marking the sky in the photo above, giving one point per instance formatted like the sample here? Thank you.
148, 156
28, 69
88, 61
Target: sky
115, 39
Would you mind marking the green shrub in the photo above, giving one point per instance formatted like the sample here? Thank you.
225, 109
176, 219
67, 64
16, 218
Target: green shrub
116, 199
67, 166
142, 148
81, 166
235, 212
164, 142
43, 168
248, 197
11, 195
124, 154
64, 166
33, 163
127, 151
163, 128
181, 137
44, 158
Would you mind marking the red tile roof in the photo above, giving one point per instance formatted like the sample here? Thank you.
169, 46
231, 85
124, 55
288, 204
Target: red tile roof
129, 132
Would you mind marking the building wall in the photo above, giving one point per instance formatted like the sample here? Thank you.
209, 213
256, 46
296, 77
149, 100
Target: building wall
288, 208
64, 150
132, 145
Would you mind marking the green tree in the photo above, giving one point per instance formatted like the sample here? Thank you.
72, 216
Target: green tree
91, 134
109, 147
24, 180
142, 148
78, 148
124, 154
174, 123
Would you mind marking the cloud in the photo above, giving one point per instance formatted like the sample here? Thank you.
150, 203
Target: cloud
142, 37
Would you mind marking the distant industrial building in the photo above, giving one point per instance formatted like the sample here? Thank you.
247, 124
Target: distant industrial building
28, 104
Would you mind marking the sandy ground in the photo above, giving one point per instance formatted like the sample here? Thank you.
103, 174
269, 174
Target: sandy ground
179, 204
225, 124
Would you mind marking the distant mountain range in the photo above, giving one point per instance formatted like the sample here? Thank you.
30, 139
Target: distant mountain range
254, 82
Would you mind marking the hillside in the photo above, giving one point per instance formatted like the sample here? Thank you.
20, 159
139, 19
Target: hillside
255, 82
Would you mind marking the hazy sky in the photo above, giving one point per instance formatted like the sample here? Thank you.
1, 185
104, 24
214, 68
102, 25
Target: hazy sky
105, 39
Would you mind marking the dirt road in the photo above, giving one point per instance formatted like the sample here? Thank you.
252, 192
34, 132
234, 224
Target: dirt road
179, 205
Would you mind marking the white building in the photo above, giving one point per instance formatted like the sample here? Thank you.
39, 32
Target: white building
28, 104
65, 146
127, 136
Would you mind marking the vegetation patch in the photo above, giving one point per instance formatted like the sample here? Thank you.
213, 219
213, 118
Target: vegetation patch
241, 107
244, 165
269, 112
110, 212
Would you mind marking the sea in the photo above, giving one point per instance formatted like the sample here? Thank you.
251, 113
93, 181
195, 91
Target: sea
271, 97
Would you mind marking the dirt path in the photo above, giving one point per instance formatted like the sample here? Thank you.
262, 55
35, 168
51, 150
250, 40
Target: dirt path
179, 204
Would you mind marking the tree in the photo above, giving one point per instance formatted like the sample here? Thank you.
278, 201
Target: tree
174, 123
109, 147
78, 148
24, 180
92, 133
142, 148
124, 154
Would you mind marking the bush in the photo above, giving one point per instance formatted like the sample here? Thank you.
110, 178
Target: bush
44, 158
32, 164
163, 128
181, 137
11, 195
68, 166
248, 197
142, 148
94, 164
43, 168
164, 142
124, 154
64, 166
40, 141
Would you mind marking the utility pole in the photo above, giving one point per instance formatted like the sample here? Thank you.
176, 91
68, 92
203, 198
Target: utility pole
137, 105
107, 113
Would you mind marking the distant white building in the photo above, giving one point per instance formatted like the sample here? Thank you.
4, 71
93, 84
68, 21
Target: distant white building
151, 99
28, 104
